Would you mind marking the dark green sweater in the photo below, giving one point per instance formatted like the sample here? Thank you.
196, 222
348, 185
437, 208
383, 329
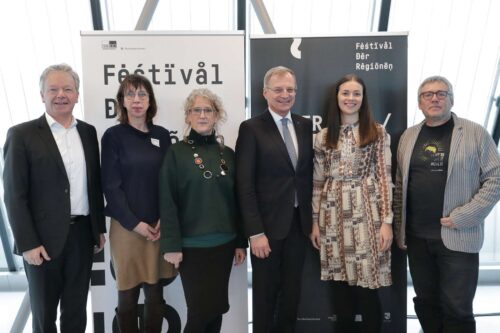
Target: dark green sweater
196, 211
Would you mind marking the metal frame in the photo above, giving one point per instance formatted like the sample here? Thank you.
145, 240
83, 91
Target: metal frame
95, 7
4, 234
496, 101
263, 16
241, 14
496, 128
385, 11
146, 15
6, 244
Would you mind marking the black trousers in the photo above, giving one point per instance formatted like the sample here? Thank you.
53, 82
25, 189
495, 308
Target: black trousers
63, 280
276, 282
445, 283
205, 279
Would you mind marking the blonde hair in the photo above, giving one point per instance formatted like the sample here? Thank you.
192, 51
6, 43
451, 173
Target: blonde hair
214, 100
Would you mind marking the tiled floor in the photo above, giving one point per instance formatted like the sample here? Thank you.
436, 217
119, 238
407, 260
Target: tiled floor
486, 301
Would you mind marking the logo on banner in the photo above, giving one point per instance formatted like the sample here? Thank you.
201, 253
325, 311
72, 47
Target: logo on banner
109, 44
294, 48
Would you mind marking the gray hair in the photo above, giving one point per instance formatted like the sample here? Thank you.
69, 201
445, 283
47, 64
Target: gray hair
213, 99
278, 70
59, 68
436, 78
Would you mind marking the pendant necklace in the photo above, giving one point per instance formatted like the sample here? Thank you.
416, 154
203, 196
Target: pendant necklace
207, 174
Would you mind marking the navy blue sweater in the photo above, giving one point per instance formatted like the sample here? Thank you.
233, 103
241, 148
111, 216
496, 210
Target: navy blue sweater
131, 162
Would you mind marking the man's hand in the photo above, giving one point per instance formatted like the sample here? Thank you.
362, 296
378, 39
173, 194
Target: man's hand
260, 246
102, 241
448, 222
36, 256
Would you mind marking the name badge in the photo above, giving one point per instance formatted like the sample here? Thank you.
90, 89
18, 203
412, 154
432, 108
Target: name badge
155, 142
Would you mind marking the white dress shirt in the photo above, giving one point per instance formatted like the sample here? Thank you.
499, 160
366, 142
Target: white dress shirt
70, 147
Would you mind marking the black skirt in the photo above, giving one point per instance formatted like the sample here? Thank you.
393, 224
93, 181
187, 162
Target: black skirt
205, 279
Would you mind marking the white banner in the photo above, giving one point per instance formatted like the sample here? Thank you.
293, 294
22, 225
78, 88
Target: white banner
175, 64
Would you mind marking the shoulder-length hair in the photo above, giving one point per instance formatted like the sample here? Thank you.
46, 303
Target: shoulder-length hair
368, 131
135, 81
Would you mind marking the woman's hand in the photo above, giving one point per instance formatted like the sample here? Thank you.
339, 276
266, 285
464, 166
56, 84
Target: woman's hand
157, 228
239, 256
147, 231
174, 258
385, 237
314, 236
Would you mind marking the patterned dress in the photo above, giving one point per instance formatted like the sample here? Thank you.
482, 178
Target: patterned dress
352, 197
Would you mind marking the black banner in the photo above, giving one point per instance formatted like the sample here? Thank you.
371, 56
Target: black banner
381, 61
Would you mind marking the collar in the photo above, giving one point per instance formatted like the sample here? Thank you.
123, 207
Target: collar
277, 118
202, 139
354, 125
457, 122
54, 124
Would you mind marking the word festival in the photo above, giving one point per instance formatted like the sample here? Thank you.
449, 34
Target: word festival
168, 75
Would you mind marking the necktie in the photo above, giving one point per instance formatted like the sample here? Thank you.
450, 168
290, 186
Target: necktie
289, 142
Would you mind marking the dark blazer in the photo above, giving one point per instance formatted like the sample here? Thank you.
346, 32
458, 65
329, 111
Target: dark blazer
266, 180
37, 195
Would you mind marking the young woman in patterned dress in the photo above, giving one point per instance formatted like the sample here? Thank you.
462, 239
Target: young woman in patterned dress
352, 199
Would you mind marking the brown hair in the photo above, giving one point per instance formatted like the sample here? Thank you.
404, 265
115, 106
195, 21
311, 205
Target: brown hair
136, 81
368, 131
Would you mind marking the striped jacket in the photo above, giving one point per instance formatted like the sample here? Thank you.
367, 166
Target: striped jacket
472, 185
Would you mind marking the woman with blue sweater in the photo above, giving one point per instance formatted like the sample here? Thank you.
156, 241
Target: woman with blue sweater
132, 153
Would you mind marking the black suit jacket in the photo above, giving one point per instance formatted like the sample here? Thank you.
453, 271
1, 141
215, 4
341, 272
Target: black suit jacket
266, 180
37, 195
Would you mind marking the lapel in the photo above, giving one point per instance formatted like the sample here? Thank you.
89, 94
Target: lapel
408, 151
274, 136
456, 139
48, 139
301, 142
87, 153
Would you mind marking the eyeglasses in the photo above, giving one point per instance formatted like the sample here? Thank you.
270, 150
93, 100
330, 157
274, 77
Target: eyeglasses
141, 94
278, 91
198, 111
440, 94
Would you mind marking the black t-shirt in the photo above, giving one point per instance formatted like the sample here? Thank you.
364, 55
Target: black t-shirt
427, 181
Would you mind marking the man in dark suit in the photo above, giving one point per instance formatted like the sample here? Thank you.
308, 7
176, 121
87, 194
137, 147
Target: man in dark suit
55, 204
274, 181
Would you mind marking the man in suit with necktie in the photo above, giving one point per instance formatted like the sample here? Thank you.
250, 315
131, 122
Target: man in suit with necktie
54, 203
274, 184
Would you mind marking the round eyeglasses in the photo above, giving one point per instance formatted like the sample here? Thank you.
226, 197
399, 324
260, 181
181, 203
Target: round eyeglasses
141, 94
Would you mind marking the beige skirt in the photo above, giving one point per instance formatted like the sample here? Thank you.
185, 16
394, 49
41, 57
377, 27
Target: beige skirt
135, 259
